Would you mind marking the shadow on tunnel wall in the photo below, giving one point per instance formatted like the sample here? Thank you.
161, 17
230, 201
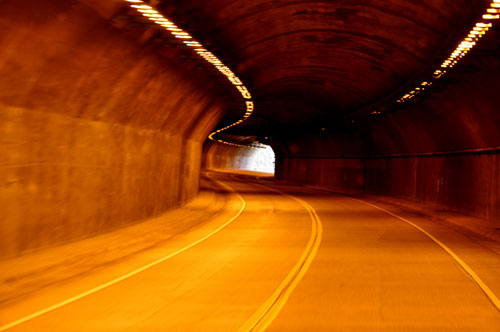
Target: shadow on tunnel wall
99, 126
464, 183
443, 150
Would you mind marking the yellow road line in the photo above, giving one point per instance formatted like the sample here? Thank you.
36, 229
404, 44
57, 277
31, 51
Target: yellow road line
130, 274
489, 293
268, 311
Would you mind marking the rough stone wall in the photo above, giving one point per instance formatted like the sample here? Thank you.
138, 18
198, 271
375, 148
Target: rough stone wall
97, 128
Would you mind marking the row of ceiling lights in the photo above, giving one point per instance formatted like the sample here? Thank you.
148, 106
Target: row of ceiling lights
478, 31
155, 16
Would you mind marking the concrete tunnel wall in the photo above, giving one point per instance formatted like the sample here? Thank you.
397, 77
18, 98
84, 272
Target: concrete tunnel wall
393, 154
101, 128
98, 127
443, 150
226, 157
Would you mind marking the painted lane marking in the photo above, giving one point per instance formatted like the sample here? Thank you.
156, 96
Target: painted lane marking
468, 270
130, 274
268, 311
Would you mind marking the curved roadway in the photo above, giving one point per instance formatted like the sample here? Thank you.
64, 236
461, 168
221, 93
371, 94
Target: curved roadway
280, 259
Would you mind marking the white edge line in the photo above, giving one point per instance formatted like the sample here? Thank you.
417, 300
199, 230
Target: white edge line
130, 274
468, 270
486, 290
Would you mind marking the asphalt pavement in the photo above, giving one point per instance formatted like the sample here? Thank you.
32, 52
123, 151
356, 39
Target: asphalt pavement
278, 258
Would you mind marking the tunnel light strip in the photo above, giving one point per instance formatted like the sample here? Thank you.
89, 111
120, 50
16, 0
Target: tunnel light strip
155, 16
465, 46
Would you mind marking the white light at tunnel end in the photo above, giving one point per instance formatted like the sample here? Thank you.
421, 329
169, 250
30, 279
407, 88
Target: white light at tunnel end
152, 14
465, 46
262, 160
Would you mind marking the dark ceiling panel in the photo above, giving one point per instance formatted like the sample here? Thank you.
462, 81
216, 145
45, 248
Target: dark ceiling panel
307, 61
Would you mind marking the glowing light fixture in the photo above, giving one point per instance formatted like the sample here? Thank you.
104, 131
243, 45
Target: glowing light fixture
491, 17
149, 12
477, 32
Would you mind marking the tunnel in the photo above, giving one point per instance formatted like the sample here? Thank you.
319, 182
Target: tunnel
263, 165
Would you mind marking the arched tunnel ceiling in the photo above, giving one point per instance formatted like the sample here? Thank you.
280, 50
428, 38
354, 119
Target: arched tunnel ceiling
309, 61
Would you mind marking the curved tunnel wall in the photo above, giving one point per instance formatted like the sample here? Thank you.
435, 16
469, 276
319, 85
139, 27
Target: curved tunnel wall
97, 130
226, 157
394, 154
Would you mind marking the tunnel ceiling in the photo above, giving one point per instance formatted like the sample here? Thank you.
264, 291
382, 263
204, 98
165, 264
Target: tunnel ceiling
307, 62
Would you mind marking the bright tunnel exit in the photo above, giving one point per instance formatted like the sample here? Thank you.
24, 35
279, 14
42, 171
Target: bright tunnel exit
243, 158
262, 160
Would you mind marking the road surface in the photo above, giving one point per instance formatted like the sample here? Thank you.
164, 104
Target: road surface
277, 259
